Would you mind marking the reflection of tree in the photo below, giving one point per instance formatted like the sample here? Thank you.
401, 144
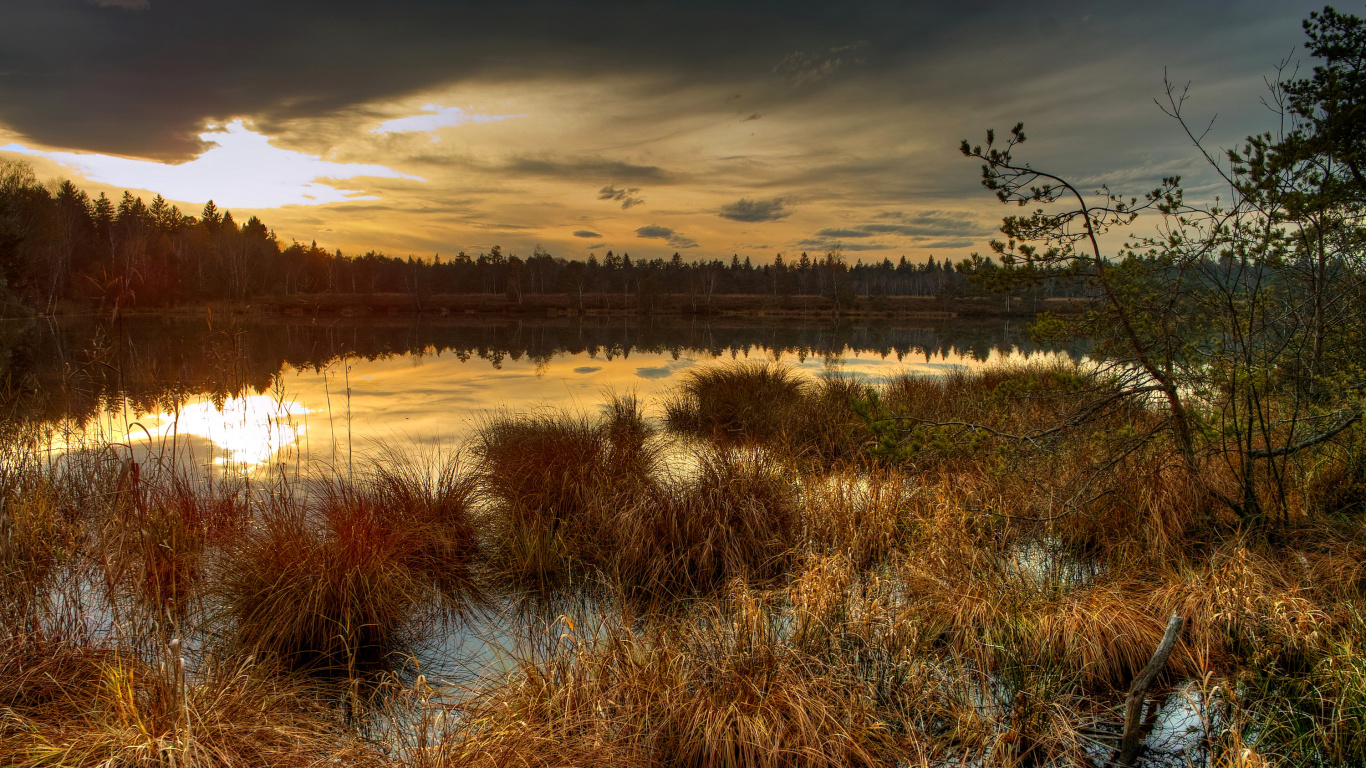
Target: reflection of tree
77, 369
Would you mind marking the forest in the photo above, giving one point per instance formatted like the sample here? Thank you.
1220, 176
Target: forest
61, 249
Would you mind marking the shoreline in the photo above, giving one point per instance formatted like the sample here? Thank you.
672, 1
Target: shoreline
598, 305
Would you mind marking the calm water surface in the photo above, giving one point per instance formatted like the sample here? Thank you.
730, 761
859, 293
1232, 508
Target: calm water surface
258, 395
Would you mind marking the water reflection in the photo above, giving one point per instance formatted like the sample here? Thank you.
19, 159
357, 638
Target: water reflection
248, 431
259, 393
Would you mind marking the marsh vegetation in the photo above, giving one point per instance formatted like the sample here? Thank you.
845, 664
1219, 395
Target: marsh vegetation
771, 575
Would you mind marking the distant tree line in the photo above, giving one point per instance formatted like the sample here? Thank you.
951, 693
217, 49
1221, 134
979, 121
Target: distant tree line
58, 245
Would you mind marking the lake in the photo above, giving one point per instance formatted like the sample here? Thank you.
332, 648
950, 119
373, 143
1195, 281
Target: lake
259, 394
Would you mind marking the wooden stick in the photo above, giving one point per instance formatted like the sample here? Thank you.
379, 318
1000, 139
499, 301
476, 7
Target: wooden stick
1138, 692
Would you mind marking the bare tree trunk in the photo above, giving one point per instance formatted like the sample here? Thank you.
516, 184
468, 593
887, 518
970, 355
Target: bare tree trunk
1138, 693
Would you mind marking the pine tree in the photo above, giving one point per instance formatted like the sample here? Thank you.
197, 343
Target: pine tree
210, 217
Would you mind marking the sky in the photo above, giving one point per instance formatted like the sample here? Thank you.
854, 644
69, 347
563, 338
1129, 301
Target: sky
429, 127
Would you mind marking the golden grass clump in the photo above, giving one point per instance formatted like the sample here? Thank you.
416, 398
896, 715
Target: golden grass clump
331, 585
553, 480
862, 515
719, 690
73, 705
735, 515
430, 509
745, 402
771, 405
1244, 609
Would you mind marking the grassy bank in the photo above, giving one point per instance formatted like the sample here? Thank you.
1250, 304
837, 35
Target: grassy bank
784, 571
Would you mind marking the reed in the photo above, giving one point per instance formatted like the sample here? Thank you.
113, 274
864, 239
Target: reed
861, 514
153, 543
35, 541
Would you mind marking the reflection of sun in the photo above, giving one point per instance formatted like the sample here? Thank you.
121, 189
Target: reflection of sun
249, 430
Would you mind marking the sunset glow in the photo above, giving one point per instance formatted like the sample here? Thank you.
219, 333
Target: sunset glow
708, 129
248, 431
242, 169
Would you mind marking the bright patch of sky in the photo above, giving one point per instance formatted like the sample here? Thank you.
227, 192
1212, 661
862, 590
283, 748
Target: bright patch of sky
242, 170
438, 117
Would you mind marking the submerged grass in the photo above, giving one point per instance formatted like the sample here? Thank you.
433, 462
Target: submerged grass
775, 578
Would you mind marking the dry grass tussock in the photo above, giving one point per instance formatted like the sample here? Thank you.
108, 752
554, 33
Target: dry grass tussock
81, 705
551, 481
573, 494
724, 692
331, 584
733, 515
771, 405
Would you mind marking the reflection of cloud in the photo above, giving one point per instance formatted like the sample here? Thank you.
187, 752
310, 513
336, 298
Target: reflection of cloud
244, 170
674, 239
754, 210
628, 196
248, 430
655, 372
586, 233
439, 117
587, 369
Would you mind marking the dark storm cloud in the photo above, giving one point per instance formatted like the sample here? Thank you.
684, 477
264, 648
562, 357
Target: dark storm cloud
920, 230
754, 210
586, 233
78, 75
